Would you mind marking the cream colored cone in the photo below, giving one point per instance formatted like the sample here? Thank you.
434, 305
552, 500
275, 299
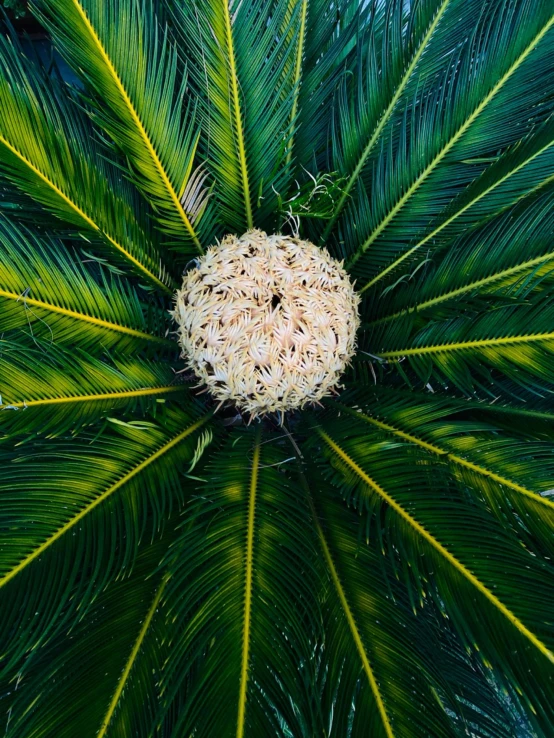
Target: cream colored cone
267, 322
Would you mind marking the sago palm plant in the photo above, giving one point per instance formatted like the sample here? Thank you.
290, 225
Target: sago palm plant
276, 370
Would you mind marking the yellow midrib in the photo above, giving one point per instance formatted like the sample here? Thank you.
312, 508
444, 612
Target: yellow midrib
355, 633
25, 300
99, 500
452, 218
142, 131
238, 114
131, 660
344, 603
485, 342
424, 533
353, 627
465, 403
297, 73
384, 119
44, 178
116, 395
248, 588
466, 288
450, 456
444, 151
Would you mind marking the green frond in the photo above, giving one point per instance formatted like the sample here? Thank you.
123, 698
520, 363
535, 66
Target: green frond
521, 171
53, 391
509, 254
393, 667
503, 405
412, 508
446, 132
50, 294
244, 612
512, 475
244, 57
365, 106
531, 415
514, 338
82, 505
330, 40
297, 79
127, 59
206, 33
100, 678
51, 153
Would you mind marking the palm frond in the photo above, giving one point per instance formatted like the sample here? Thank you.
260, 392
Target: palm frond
53, 391
480, 85
48, 292
509, 254
393, 666
521, 171
330, 40
97, 496
413, 511
514, 338
245, 614
126, 58
513, 475
245, 58
365, 107
207, 34
51, 153
101, 673
297, 79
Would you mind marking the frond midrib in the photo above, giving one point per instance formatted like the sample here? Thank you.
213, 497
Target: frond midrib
470, 287
297, 74
81, 213
442, 550
239, 126
135, 471
448, 145
132, 658
464, 345
248, 586
389, 110
446, 453
51, 307
364, 658
136, 119
393, 265
95, 397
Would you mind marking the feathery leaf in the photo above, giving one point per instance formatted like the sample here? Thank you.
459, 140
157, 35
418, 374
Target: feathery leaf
100, 673
129, 61
244, 612
50, 151
394, 668
96, 496
445, 125
53, 391
49, 293
472, 574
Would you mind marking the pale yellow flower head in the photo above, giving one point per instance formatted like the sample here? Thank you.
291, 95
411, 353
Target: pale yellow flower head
267, 322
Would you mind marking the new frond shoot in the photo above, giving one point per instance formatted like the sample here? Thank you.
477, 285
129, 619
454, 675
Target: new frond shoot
267, 322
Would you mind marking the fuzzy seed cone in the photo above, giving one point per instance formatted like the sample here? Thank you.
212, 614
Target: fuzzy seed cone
267, 322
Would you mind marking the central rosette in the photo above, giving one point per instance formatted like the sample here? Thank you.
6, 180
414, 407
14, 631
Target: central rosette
267, 322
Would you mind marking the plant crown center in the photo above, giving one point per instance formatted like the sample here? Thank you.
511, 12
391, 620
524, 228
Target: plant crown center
267, 322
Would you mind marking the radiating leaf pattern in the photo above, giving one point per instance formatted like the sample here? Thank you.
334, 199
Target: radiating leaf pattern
380, 565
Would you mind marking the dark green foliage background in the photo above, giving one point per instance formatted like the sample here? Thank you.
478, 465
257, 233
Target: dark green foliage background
379, 566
